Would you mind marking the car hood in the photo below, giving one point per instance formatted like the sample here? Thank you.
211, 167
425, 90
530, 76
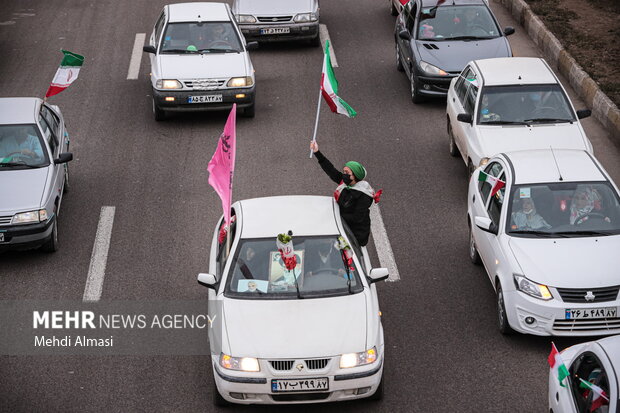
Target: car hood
201, 66
273, 7
22, 189
497, 139
588, 262
296, 328
452, 56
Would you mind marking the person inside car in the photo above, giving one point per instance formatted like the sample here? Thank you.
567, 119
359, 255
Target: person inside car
586, 202
20, 143
527, 218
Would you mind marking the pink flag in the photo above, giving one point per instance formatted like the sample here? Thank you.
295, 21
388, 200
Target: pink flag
222, 165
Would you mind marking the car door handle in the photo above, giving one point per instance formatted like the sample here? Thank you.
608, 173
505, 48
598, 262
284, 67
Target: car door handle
454, 100
473, 198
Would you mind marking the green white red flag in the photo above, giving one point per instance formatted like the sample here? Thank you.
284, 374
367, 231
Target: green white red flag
496, 183
66, 74
557, 365
329, 88
599, 397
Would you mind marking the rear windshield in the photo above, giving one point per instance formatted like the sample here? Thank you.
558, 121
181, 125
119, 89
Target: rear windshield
21, 146
207, 37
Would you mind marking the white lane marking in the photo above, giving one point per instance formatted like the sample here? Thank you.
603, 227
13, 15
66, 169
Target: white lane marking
382, 243
136, 57
99, 257
324, 35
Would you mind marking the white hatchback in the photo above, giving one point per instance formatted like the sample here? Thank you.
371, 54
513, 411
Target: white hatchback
549, 240
200, 61
308, 334
510, 104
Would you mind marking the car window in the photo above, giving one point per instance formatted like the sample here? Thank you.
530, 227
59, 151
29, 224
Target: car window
525, 103
564, 208
159, 26
471, 94
223, 247
21, 146
412, 9
208, 37
495, 204
462, 84
493, 169
588, 367
454, 22
355, 245
53, 123
258, 270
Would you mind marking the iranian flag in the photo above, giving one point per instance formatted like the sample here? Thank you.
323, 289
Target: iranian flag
557, 365
599, 397
496, 183
329, 88
67, 72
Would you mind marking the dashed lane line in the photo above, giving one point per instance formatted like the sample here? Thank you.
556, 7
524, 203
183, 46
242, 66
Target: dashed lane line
136, 57
99, 257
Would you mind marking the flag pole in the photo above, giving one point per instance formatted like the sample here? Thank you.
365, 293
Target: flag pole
316, 121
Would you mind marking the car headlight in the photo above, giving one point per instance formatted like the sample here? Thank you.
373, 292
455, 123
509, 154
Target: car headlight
531, 288
168, 84
239, 363
240, 81
358, 359
305, 17
483, 161
432, 70
30, 217
245, 18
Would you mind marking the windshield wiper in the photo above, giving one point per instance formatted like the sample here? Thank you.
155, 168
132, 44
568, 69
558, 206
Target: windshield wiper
584, 232
554, 120
465, 38
218, 51
180, 51
537, 232
503, 122
19, 164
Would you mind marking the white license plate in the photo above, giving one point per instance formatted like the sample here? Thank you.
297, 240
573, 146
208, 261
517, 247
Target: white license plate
605, 312
204, 99
278, 386
1, 237
276, 30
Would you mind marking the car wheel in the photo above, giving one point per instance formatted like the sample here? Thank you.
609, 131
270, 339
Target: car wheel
399, 64
473, 251
393, 10
454, 150
378, 394
315, 41
65, 187
249, 111
502, 318
415, 94
218, 400
158, 112
470, 168
51, 245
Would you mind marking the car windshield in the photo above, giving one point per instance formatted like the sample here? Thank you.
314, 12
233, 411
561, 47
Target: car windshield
457, 23
565, 209
208, 37
258, 271
21, 147
525, 104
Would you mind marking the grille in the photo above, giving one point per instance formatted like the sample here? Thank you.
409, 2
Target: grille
577, 295
299, 397
316, 364
6, 220
282, 365
594, 325
204, 84
274, 19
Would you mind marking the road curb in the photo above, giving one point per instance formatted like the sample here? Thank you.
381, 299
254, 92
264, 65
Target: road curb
602, 107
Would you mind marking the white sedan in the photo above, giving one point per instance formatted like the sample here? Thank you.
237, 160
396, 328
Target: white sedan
549, 240
596, 362
309, 333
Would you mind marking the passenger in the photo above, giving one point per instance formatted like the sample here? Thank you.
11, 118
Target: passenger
528, 218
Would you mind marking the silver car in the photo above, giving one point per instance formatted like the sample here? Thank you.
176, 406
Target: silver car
34, 174
278, 20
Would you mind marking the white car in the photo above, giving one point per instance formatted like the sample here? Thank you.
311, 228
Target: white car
597, 362
549, 240
200, 61
311, 334
510, 104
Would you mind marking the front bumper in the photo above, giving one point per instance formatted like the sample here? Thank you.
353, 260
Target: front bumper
25, 237
434, 86
181, 98
298, 31
255, 388
550, 318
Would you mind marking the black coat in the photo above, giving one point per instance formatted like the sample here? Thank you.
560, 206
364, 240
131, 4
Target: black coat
354, 205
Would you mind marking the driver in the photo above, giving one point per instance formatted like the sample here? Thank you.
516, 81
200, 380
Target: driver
20, 142
468, 20
585, 200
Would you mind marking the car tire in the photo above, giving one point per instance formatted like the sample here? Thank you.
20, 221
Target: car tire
378, 394
65, 187
415, 94
51, 245
502, 318
470, 168
393, 10
315, 41
399, 64
454, 150
249, 111
473, 251
218, 400
158, 113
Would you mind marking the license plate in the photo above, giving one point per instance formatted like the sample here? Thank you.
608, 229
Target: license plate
1, 237
278, 386
606, 312
204, 99
276, 30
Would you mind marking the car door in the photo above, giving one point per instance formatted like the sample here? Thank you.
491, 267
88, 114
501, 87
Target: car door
468, 135
592, 366
406, 21
456, 105
155, 41
50, 125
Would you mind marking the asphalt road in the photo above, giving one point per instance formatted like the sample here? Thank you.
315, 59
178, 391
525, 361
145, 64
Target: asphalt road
443, 350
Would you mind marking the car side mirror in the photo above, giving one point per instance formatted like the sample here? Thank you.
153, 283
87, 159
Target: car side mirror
207, 280
486, 225
63, 158
251, 46
378, 274
509, 30
404, 34
149, 49
464, 117
584, 113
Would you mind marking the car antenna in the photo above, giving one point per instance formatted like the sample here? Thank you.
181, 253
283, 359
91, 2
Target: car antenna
556, 163
290, 233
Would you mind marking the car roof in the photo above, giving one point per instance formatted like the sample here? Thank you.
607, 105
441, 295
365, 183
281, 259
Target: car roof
190, 12
303, 214
515, 71
18, 110
539, 166
431, 3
